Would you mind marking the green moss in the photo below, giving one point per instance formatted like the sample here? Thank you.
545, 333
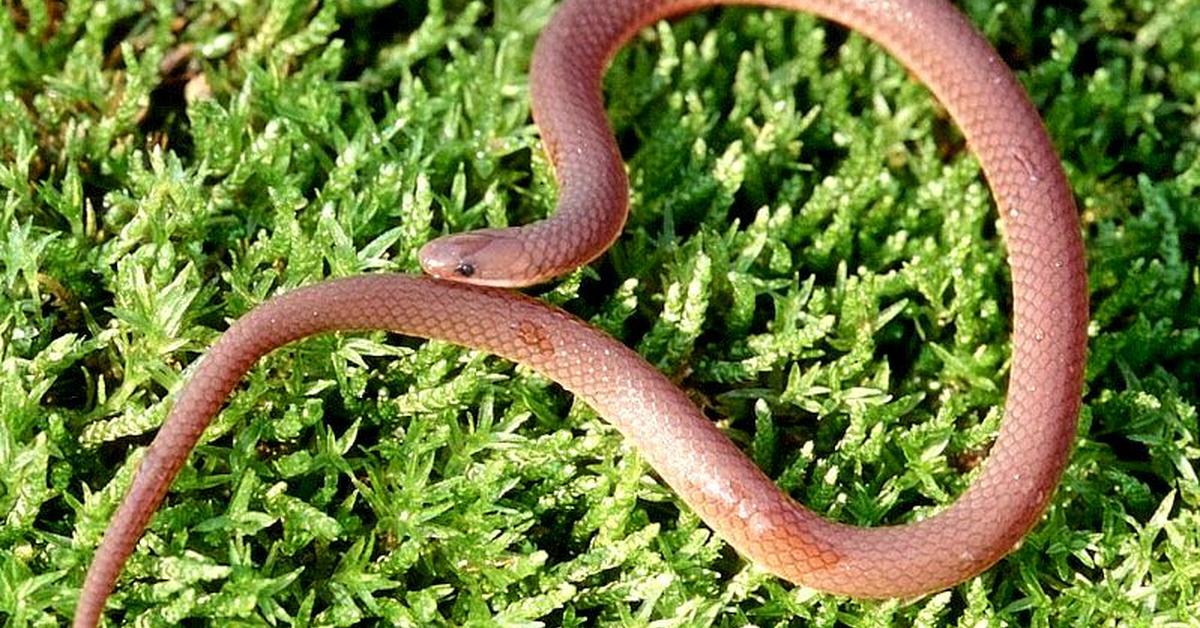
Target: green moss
811, 254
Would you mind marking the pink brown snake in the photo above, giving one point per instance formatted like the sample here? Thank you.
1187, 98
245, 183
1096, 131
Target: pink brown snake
941, 48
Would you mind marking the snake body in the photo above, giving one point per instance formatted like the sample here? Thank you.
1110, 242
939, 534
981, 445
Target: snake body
940, 47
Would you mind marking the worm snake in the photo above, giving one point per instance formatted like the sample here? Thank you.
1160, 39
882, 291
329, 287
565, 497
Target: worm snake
939, 47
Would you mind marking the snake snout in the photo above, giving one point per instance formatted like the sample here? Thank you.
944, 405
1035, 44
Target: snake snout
490, 257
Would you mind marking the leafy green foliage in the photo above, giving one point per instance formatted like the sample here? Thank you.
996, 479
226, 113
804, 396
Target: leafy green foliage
812, 254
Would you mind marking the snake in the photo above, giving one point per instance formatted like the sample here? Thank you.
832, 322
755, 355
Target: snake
463, 299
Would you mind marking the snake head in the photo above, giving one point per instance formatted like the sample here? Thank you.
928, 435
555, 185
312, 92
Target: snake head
488, 257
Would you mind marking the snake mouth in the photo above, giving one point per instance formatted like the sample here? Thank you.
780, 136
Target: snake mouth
491, 257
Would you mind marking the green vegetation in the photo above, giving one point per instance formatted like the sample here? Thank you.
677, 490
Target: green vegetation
812, 254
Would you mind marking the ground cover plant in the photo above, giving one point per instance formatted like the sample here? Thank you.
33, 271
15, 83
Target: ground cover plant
812, 254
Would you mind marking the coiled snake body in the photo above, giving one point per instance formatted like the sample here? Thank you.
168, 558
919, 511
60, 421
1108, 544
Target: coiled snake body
738, 501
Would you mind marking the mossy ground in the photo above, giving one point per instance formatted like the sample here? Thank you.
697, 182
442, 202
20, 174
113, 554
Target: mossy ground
812, 254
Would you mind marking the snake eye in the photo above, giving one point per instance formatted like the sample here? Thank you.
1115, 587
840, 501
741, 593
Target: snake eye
465, 269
